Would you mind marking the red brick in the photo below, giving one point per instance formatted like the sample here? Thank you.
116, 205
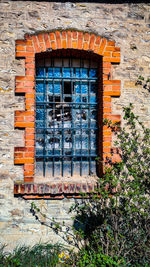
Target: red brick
29, 118
86, 36
20, 48
28, 167
64, 44
28, 180
112, 93
29, 155
24, 78
30, 72
23, 160
107, 87
111, 43
47, 40
30, 95
112, 82
106, 104
107, 54
28, 173
107, 149
29, 84
23, 90
115, 87
23, 42
30, 130
36, 44
74, 35
24, 124
52, 36
111, 59
107, 133
105, 144
25, 54
69, 39
43, 47
29, 66
98, 39
30, 137
58, 39
80, 40
18, 149
110, 48
29, 49
107, 110
106, 65
116, 54
64, 35
53, 45
107, 99
40, 38
102, 46
96, 48
92, 39
29, 142
74, 44
85, 46
18, 155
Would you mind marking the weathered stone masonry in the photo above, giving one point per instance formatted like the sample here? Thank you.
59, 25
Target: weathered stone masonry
24, 23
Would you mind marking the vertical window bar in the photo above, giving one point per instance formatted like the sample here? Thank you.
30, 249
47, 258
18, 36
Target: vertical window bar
62, 118
45, 121
53, 123
89, 112
72, 123
81, 114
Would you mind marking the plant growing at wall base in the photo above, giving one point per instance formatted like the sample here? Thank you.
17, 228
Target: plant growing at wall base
115, 222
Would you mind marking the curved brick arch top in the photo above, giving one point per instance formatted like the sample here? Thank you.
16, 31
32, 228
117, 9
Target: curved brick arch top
47, 42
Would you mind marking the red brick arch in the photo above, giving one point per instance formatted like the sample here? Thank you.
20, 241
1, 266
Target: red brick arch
45, 42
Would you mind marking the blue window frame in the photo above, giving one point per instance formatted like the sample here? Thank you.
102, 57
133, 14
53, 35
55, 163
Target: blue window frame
66, 116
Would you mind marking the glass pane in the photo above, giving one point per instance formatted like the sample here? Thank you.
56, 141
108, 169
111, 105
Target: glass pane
40, 98
39, 141
40, 72
57, 72
93, 88
84, 73
93, 73
39, 168
39, 87
66, 72
84, 88
85, 168
50, 72
40, 114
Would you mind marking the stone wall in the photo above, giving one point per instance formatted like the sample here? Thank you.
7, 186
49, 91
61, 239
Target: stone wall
127, 24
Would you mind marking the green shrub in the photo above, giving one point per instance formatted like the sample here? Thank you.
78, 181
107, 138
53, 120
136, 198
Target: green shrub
116, 220
112, 226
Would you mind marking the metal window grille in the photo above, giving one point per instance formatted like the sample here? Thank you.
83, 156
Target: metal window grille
66, 117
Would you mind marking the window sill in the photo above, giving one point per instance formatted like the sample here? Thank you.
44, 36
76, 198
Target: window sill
55, 190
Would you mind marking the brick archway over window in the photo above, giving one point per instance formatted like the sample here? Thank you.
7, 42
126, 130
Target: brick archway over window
47, 42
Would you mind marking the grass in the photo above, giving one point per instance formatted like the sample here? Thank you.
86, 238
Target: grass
40, 255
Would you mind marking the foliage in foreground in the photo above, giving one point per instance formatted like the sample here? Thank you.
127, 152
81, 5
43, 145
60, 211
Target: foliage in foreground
112, 227
41, 255
117, 220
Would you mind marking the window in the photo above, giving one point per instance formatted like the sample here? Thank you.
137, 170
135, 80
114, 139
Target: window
66, 116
